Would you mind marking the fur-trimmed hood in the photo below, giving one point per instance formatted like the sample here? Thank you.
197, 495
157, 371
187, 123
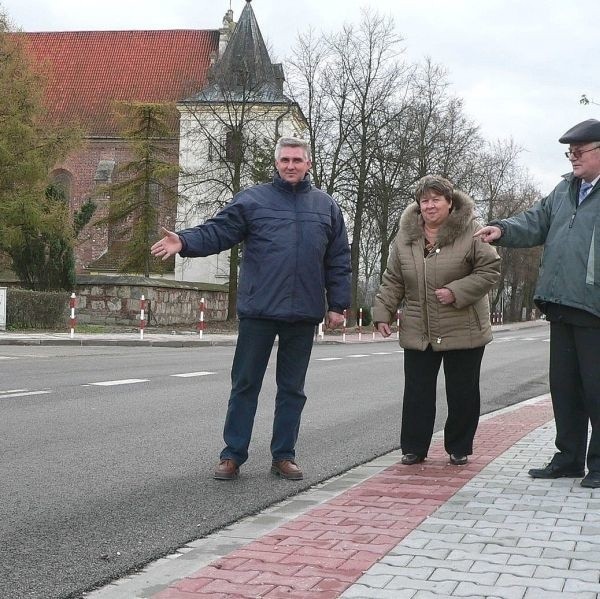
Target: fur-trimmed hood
463, 213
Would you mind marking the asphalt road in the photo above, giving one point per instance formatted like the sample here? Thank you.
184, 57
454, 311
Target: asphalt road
106, 453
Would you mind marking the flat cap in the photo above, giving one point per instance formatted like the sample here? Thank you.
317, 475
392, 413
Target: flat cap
583, 132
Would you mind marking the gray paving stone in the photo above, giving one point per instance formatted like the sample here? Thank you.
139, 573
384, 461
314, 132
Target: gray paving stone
541, 594
522, 570
374, 580
441, 587
522, 560
566, 544
526, 551
468, 589
479, 578
461, 554
568, 573
587, 546
448, 538
398, 561
426, 562
551, 553
381, 569
583, 564
430, 595
549, 584
578, 586
439, 544
401, 550
359, 591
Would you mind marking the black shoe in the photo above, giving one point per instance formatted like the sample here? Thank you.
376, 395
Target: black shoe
408, 459
554, 471
458, 460
591, 481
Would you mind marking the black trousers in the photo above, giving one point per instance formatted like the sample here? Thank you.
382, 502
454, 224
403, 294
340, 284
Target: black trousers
575, 389
461, 371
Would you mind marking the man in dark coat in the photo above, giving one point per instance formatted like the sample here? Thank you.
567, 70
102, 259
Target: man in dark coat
295, 271
567, 223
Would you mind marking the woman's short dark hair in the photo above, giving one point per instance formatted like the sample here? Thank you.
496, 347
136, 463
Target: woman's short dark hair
434, 183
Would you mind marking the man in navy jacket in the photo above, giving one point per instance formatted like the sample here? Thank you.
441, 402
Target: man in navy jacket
295, 270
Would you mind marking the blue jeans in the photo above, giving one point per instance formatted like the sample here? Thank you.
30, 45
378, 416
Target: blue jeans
255, 342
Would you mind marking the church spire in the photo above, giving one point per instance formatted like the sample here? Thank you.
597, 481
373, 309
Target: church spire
245, 66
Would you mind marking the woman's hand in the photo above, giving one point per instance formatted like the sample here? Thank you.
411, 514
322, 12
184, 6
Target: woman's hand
445, 296
384, 329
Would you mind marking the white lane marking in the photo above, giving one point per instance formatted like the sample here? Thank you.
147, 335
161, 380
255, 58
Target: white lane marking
358, 356
188, 374
381, 353
327, 359
23, 393
13, 390
121, 382
8, 358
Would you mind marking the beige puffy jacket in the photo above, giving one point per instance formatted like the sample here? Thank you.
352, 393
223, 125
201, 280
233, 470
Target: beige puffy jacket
461, 263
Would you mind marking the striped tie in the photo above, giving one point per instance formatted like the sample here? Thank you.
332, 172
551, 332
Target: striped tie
584, 190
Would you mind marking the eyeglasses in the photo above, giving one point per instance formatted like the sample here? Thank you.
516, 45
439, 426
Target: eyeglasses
577, 153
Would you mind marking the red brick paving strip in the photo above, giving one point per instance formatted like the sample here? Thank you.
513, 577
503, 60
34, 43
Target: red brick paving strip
323, 552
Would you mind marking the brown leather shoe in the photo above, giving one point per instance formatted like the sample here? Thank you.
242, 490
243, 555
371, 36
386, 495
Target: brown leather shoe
287, 469
226, 470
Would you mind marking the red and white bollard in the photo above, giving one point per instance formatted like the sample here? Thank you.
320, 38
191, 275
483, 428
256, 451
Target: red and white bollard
200, 325
398, 323
142, 316
321, 330
360, 324
72, 321
344, 328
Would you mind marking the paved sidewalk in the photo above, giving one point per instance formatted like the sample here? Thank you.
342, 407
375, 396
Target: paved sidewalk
384, 530
193, 339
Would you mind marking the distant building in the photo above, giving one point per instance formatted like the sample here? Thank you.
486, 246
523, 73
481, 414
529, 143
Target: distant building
88, 72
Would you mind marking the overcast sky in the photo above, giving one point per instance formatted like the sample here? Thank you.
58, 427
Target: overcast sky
520, 66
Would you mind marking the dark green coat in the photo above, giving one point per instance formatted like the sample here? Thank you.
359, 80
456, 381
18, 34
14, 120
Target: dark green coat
570, 268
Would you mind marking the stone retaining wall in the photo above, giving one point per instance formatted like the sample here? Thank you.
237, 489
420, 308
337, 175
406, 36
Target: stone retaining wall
116, 300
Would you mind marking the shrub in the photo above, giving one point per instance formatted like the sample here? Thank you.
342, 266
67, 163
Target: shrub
36, 309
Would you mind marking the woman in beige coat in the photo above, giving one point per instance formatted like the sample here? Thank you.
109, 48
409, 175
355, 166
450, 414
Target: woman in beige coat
442, 274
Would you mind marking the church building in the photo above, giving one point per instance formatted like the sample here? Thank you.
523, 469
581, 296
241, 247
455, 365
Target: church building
229, 108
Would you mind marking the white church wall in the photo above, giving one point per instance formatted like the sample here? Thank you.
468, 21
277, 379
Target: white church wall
201, 186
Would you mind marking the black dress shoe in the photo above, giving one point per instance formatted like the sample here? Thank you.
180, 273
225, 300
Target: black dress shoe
458, 460
554, 471
408, 459
591, 481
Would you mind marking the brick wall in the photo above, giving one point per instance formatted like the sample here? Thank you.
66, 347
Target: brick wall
81, 166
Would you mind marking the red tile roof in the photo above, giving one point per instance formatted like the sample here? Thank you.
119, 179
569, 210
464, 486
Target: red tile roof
87, 71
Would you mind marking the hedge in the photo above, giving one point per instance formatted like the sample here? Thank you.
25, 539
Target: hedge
36, 309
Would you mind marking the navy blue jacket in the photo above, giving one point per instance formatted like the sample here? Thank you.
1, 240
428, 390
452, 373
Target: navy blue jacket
295, 259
